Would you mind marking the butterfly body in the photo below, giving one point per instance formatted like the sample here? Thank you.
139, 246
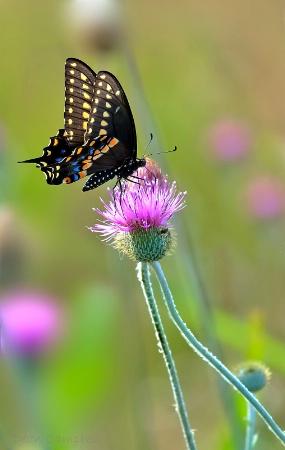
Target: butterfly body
99, 135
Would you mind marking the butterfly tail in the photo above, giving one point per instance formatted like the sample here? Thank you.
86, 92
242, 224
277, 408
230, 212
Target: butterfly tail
34, 161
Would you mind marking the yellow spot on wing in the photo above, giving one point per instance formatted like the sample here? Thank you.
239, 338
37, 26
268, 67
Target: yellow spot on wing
104, 123
98, 92
69, 121
108, 87
86, 95
118, 92
103, 77
86, 105
96, 156
108, 105
71, 80
85, 115
84, 125
85, 86
108, 96
72, 72
92, 120
102, 131
94, 110
71, 100
83, 77
106, 114
113, 142
79, 150
70, 110
55, 142
73, 64
71, 89
86, 166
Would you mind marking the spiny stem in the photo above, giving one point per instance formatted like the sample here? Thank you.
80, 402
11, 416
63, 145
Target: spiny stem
210, 358
144, 278
250, 427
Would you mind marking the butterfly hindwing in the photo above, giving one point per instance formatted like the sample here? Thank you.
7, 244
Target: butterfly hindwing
100, 155
55, 152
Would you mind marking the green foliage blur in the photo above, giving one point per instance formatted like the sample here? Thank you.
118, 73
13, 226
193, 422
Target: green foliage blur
185, 67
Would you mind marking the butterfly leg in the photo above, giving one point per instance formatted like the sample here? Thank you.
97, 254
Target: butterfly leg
122, 189
151, 173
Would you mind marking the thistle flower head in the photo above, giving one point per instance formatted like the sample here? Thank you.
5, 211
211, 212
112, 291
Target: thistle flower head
137, 218
254, 375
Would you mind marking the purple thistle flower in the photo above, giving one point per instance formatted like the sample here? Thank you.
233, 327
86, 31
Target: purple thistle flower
230, 140
137, 219
30, 322
265, 198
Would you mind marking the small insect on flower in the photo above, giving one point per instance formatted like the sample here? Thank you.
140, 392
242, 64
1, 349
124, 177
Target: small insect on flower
137, 218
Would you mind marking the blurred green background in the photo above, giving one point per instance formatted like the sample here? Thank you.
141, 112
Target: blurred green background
207, 77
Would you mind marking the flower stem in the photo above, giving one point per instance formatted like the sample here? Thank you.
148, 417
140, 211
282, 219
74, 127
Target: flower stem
250, 427
144, 278
210, 358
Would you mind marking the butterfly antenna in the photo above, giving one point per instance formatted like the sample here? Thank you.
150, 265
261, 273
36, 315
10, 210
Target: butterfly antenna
151, 138
159, 153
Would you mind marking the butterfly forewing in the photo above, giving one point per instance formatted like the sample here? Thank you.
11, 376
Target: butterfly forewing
79, 93
111, 114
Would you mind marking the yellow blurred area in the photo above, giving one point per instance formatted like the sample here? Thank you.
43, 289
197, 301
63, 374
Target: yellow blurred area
187, 68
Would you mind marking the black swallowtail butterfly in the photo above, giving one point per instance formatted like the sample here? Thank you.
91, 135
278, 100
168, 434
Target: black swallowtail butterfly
99, 135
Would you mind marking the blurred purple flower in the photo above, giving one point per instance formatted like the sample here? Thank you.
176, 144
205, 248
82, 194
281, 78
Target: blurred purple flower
265, 198
229, 140
137, 219
30, 322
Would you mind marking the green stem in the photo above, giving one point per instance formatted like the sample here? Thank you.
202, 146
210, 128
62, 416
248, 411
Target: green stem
210, 358
144, 278
250, 427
